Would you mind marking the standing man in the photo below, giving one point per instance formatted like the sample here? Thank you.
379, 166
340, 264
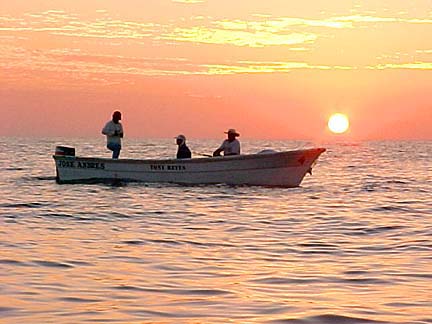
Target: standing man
114, 133
230, 146
183, 151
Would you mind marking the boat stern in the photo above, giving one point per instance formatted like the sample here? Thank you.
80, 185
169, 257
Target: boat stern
62, 153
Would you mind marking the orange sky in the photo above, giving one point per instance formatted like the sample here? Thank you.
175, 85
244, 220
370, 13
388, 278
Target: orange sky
271, 69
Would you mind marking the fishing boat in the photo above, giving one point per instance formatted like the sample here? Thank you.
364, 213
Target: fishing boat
267, 168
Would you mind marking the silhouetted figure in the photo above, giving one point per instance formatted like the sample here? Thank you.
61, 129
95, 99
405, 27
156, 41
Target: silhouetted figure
183, 151
231, 146
114, 133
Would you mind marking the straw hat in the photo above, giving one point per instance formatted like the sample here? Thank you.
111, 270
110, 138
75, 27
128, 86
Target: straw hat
232, 131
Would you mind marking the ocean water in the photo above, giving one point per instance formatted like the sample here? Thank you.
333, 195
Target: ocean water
353, 244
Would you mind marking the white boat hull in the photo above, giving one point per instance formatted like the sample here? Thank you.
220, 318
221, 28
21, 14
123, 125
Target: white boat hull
286, 169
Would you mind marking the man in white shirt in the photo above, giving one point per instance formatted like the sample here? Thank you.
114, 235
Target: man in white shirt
114, 133
230, 146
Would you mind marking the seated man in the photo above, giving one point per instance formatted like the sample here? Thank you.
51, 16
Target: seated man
183, 151
230, 146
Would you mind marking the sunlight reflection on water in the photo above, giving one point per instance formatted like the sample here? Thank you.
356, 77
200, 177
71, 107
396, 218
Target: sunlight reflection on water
352, 244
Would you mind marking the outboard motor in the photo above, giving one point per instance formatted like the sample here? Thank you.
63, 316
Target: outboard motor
64, 151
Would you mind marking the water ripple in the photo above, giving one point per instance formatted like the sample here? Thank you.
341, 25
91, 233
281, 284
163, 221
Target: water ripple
52, 264
328, 319
193, 292
352, 245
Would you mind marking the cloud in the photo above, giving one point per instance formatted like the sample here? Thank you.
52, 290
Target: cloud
237, 37
214, 32
69, 67
188, 1
63, 24
252, 67
409, 66
260, 32
426, 51
79, 65
269, 31
276, 25
297, 34
372, 19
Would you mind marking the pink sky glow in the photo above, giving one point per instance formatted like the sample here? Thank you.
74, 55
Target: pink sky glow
272, 69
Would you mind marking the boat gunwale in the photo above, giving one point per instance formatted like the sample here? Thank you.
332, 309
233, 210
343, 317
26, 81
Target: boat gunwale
254, 156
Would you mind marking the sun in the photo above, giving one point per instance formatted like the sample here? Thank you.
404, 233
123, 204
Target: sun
338, 123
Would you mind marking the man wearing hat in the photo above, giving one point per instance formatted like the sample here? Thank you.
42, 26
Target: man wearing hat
230, 146
183, 151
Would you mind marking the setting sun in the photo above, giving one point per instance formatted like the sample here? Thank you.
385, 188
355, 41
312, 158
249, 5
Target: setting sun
338, 123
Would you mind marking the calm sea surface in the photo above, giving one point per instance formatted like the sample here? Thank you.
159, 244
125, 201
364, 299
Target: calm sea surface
352, 245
